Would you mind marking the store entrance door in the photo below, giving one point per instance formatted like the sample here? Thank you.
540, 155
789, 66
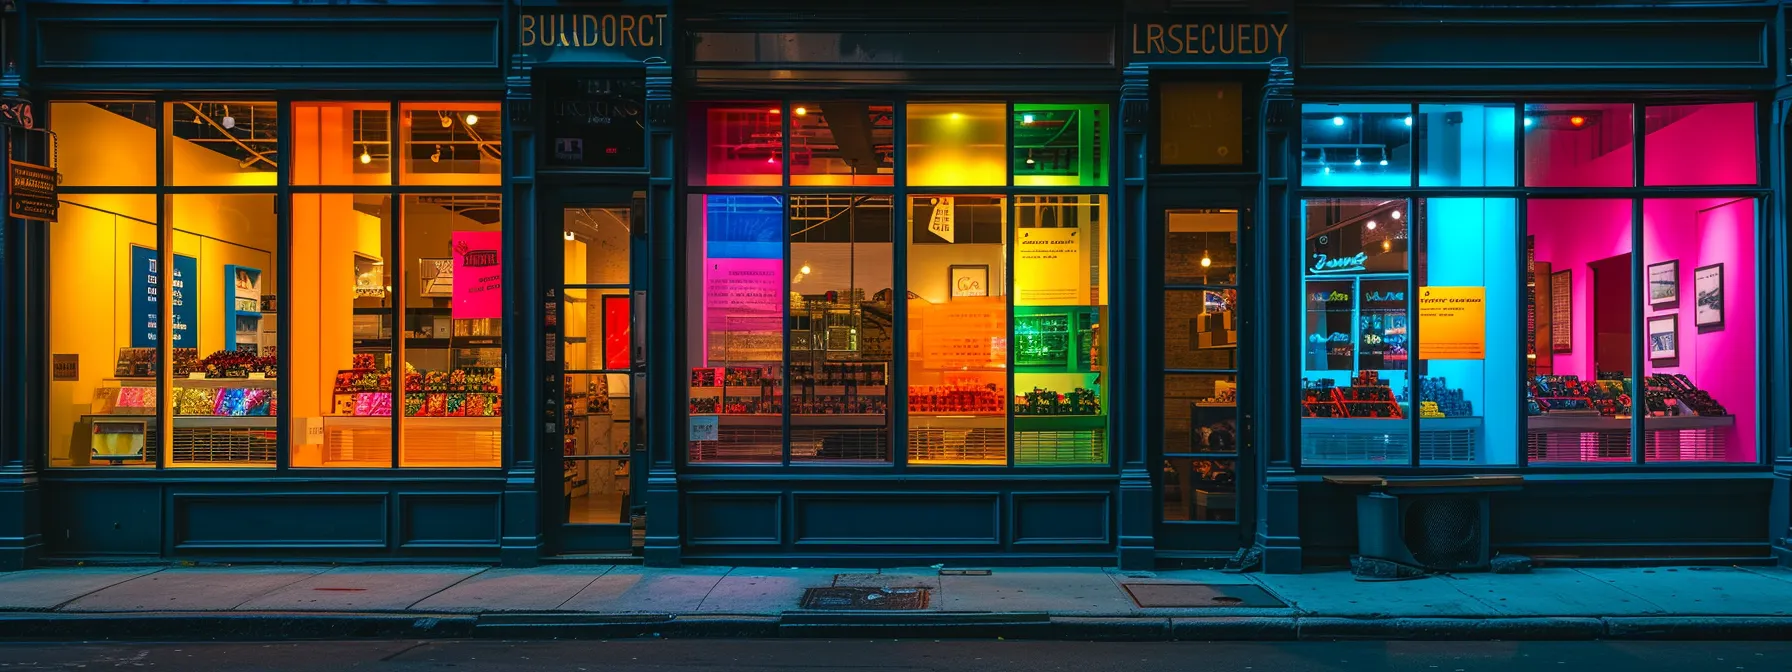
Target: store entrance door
600, 356
1206, 461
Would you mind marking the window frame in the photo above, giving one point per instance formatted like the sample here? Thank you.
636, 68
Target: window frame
900, 193
284, 190
1636, 192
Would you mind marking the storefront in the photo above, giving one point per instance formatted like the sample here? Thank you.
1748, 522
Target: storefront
810, 285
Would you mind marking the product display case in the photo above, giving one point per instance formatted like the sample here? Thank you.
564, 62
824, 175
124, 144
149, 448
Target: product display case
224, 410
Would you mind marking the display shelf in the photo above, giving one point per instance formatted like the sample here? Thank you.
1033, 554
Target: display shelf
242, 307
838, 420
1601, 423
1059, 423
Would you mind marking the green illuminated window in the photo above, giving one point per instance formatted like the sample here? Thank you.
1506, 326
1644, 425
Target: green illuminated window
1060, 145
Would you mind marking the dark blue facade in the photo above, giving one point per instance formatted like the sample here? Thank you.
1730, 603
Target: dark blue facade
1286, 53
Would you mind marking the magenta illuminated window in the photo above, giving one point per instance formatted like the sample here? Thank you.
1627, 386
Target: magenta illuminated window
737, 144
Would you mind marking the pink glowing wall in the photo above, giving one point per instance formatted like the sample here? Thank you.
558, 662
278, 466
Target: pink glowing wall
1714, 144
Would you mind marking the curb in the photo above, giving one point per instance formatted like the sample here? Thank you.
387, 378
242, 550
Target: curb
264, 626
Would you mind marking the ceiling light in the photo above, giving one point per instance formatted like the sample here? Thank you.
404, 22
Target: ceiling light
1577, 121
1371, 225
956, 116
1395, 214
773, 111
436, 157
802, 111
1327, 170
569, 235
1527, 122
365, 157
472, 119
1408, 120
1206, 260
1387, 245
1384, 162
1026, 118
447, 121
1358, 162
804, 269
1337, 121
230, 121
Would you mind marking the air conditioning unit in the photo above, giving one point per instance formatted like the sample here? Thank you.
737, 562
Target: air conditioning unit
1436, 532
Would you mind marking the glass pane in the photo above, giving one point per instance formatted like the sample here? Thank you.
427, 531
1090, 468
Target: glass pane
106, 144
842, 143
1466, 145
597, 424
104, 308
1201, 247
341, 358
956, 145
454, 339
1200, 489
595, 328
1579, 394
342, 144
1201, 124
842, 326
1201, 329
225, 400
458, 144
595, 122
1060, 145
736, 144
737, 354
1467, 353
1201, 413
216, 144
1354, 383
957, 330
1700, 331
597, 245
1578, 145
1060, 349
1356, 145
1699, 144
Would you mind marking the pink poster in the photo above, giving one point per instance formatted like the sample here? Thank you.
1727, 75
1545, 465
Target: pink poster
478, 274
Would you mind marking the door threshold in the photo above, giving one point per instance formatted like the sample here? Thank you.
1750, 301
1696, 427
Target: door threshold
592, 559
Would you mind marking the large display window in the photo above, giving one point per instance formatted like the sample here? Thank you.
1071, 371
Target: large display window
1492, 326
963, 322
400, 292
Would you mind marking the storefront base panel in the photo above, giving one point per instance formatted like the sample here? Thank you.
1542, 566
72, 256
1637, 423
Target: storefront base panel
20, 542
1587, 519
323, 520
856, 521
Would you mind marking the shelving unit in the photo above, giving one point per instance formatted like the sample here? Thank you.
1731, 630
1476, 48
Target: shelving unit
242, 310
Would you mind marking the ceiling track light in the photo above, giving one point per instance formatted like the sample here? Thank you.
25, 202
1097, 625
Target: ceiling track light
436, 157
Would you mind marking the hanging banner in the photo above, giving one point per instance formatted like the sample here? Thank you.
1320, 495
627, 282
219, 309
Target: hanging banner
146, 293
1452, 323
32, 191
941, 222
1049, 269
478, 275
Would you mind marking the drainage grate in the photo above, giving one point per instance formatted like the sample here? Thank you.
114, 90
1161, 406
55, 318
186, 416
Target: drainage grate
865, 598
1194, 595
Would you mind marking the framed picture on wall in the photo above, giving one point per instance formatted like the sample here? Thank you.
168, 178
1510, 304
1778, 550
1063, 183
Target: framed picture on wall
972, 280
1664, 283
1708, 296
1561, 311
1664, 336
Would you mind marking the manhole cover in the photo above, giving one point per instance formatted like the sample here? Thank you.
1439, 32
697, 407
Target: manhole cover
1194, 595
865, 598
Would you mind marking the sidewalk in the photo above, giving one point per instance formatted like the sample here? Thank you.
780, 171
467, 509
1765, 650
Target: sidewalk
593, 601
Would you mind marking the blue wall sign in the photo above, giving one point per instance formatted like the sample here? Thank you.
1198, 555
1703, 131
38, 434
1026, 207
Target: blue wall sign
146, 292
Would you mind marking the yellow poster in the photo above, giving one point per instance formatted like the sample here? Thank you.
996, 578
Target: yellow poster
1050, 268
1452, 323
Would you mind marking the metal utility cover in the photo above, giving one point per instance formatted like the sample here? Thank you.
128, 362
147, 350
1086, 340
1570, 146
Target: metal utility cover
1196, 595
856, 598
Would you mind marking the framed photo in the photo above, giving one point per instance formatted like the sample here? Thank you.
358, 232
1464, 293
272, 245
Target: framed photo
1664, 336
1664, 283
1708, 296
969, 280
1561, 311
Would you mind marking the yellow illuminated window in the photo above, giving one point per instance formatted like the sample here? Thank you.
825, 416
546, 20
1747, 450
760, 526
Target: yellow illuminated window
957, 330
221, 144
450, 144
957, 145
105, 143
342, 144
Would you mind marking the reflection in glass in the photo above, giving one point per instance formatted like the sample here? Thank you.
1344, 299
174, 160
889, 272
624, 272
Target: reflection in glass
1467, 414
1699, 391
103, 307
842, 143
1578, 398
957, 330
1353, 393
458, 144
736, 346
957, 145
1356, 145
217, 144
1466, 145
1060, 145
341, 358
107, 143
1200, 489
1059, 347
1578, 145
452, 392
342, 144
842, 326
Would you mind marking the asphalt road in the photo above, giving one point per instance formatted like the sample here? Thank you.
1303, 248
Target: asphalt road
714, 655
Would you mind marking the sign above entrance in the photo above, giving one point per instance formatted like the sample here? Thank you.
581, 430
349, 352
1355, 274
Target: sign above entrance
1202, 41
611, 34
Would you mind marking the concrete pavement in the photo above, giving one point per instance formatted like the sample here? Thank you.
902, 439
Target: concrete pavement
236, 602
